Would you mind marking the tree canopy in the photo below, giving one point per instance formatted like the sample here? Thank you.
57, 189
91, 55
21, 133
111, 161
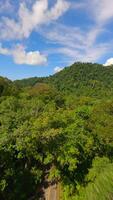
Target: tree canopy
61, 126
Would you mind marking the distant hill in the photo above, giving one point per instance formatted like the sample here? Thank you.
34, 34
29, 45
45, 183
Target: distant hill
28, 82
7, 87
79, 78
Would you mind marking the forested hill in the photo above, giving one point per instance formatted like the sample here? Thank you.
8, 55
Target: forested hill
85, 78
7, 87
56, 135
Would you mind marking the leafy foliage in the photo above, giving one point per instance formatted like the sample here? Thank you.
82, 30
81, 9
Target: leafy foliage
60, 126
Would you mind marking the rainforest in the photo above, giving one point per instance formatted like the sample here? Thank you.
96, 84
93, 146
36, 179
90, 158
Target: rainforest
57, 132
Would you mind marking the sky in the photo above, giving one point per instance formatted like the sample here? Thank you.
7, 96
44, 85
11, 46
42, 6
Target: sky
41, 37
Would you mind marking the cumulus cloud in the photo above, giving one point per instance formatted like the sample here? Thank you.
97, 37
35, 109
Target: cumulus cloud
28, 20
20, 56
58, 69
109, 62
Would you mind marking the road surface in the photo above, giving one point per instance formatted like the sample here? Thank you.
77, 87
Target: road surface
50, 192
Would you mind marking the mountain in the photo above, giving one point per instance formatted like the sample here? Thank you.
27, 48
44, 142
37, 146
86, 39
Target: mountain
80, 78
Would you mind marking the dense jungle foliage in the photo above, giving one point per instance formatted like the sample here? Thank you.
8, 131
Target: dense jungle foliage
63, 123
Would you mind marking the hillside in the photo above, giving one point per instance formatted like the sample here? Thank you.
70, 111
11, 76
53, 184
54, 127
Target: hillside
56, 135
7, 87
29, 81
83, 75
80, 78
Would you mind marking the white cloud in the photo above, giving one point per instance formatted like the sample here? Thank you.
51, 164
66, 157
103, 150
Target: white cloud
82, 45
64, 35
4, 51
59, 8
28, 19
73, 43
76, 44
91, 54
20, 56
58, 69
109, 62
102, 10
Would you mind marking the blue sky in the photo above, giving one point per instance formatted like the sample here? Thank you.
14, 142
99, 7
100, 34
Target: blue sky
40, 37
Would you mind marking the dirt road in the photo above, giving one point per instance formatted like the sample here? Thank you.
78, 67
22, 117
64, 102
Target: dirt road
50, 192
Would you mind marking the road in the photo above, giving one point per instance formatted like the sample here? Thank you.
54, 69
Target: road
51, 192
